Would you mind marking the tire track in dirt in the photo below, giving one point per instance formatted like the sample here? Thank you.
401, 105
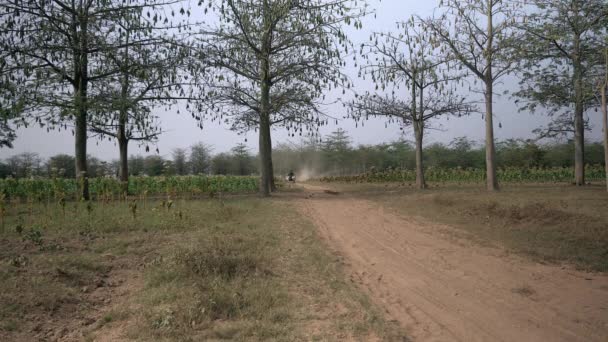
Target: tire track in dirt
443, 289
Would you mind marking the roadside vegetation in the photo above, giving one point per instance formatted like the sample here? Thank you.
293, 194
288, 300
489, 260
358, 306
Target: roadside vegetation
556, 224
181, 270
107, 189
459, 175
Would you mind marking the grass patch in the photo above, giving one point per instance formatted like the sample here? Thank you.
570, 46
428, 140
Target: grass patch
238, 269
263, 277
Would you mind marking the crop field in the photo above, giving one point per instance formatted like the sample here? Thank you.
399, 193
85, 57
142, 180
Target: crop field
45, 189
457, 175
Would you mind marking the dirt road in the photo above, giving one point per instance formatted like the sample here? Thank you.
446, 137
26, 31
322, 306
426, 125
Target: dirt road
441, 288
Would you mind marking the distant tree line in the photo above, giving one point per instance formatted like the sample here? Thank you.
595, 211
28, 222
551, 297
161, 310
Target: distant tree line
336, 155
99, 68
198, 159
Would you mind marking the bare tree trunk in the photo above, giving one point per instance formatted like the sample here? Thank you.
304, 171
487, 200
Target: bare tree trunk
605, 117
491, 179
265, 149
418, 132
80, 130
123, 147
579, 126
265, 143
605, 121
273, 186
81, 152
123, 117
418, 123
265, 162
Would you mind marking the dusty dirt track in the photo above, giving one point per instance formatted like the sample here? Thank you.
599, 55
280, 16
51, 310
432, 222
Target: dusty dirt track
445, 289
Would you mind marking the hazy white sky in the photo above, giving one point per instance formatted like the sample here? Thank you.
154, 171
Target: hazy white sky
181, 130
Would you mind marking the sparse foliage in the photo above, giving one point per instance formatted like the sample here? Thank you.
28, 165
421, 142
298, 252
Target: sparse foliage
274, 60
480, 35
200, 158
561, 48
408, 61
180, 162
54, 60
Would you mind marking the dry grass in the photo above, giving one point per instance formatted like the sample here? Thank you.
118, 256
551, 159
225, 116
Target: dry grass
550, 223
238, 269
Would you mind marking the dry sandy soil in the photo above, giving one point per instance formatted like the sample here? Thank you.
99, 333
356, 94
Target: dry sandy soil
444, 288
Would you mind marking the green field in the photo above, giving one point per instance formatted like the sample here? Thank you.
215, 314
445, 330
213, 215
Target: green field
460, 175
44, 189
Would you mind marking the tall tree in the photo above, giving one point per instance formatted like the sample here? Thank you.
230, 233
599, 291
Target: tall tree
154, 165
55, 59
61, 165
200, 158
560, 43
25, 164
409, 59
480, 34
155, 69
336, 148
221, 164
136, 165
274, 60
243, 161
603, 85
180, 162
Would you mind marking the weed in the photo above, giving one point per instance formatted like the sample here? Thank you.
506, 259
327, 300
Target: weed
133, 209
19, 261
2, 210
34, 235
9, 325
107, 318
164, 320
225, 261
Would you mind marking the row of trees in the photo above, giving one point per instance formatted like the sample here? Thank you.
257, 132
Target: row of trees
557, 48
336, 155
98, 67
197, 160
29, 164
95, 67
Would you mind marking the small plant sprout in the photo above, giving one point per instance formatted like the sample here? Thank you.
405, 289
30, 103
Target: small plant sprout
34, 235
90, 207
133, 208
2, 209
62, 204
